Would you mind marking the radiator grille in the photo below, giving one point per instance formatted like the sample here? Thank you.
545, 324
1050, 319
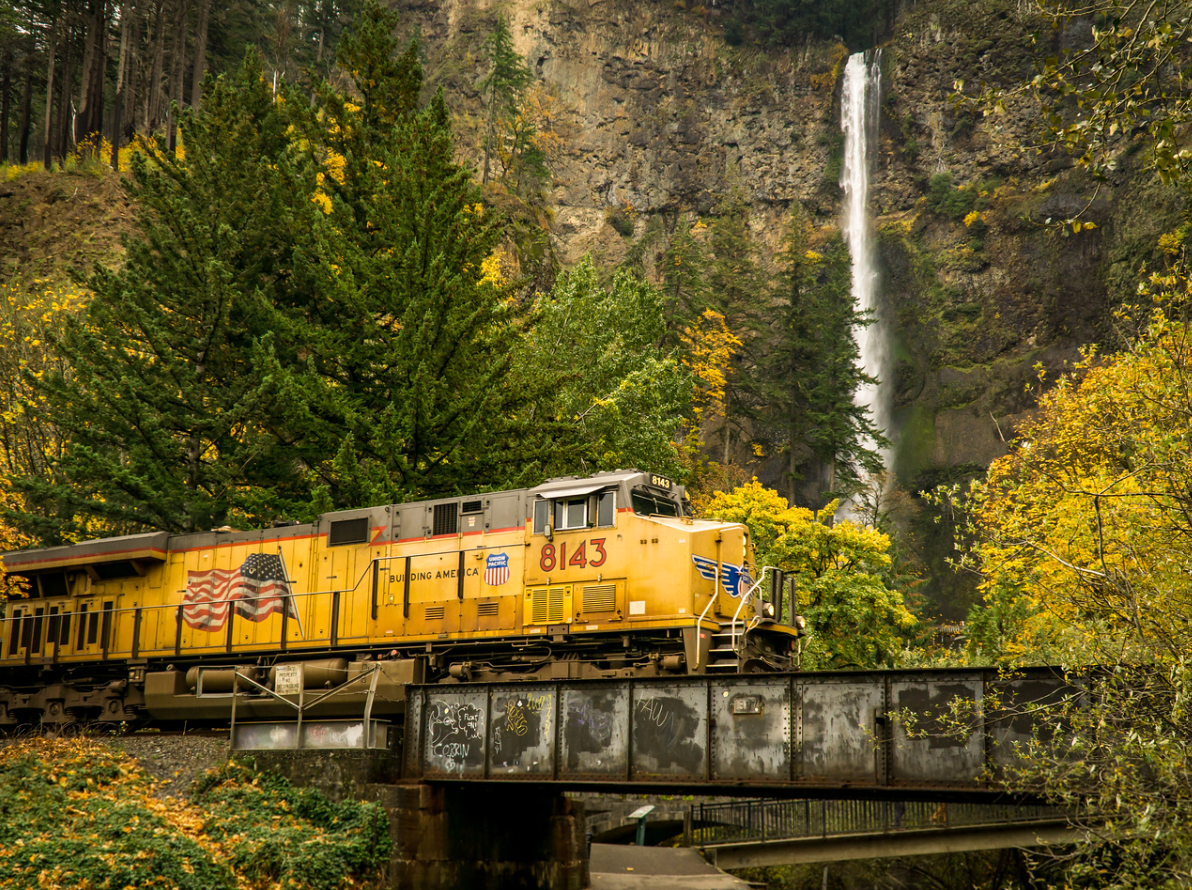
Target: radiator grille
486, 609
435, 611
600, 598
547, 605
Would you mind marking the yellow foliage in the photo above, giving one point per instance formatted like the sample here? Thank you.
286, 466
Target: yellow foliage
828, 79
854, 618
13, 172
491, 271
28, 316
1084, 529
1171, 243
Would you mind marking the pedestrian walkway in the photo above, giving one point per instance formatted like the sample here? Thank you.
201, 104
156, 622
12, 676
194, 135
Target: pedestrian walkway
618, 867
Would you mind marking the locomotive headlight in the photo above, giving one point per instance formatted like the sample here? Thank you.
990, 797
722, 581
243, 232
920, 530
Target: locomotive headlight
769, 610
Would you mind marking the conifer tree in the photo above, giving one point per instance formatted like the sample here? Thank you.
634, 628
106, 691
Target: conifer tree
811, 369
407, 342
169, 409
737, 286
684, 276
502, 88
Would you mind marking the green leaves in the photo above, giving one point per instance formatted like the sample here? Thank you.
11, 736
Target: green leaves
594, 351
166, 402
856, 621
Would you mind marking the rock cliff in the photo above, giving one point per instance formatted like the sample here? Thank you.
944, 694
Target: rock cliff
660, 116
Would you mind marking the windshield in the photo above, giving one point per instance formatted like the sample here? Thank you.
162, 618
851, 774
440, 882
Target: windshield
647, 504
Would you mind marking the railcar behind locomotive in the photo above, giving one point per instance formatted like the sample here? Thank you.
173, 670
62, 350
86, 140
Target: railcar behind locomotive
597, 577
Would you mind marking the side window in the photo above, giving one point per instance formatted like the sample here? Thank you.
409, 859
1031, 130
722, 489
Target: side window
541, 516
606, 508
571, 513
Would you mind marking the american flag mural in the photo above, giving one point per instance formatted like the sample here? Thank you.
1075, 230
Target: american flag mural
256, 590
496, 569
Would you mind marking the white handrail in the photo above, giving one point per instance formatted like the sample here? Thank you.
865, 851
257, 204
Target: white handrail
746, 596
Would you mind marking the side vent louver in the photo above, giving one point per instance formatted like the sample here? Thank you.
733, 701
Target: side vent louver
546, 605
446, 520
600, 598
472, 507
484, 609
434, 612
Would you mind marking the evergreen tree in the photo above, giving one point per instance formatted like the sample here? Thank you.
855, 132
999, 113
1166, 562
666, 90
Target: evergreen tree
406, 342
737, 285
502, 88
170, 410
684, 281
812, 368
619, 396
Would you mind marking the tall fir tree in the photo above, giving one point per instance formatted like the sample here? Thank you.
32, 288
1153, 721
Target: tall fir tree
736, 288
502, 88
169, 409
403, 389
812, 369
684, 283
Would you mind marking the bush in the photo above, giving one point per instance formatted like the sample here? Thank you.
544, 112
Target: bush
78, 814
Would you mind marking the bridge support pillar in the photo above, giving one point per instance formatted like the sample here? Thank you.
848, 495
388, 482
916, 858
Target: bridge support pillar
501, 837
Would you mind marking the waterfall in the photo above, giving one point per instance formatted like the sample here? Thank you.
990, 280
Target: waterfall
858, 120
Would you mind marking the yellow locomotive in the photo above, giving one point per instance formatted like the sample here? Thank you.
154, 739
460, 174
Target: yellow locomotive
597, 577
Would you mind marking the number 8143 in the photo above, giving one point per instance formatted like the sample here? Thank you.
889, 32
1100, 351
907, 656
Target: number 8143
558, 558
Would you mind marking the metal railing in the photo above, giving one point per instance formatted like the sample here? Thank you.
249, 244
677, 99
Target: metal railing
370, 673
763, 820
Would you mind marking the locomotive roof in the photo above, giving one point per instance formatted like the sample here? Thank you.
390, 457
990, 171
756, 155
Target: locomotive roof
153, 546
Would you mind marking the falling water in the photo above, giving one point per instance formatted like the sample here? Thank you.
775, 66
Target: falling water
858, 120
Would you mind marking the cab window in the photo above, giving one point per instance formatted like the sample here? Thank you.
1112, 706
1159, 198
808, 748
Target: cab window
575, 513
647, 504
606, 508
541, 516
571, 513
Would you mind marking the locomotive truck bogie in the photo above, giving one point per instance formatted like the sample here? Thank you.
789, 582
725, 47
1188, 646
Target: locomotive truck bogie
596, 577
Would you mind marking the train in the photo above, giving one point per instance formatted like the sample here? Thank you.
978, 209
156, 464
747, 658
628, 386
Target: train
597, 577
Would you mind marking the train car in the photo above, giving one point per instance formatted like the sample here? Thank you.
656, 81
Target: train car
597, 577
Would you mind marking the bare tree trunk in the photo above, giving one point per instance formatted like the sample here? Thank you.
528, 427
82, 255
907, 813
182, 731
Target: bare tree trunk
89, 118
27, 110
89, 42
66, 100
196, 84
177, 65
52, 51
133, 72
118, 109
153, 89
5, 102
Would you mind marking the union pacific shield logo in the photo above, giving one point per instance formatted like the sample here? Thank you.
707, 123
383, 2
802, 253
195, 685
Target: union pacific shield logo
735, 580
496, 569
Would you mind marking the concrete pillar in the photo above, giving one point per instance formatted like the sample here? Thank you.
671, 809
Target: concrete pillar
509, 837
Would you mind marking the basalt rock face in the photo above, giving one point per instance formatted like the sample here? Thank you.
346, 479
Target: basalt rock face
661, 117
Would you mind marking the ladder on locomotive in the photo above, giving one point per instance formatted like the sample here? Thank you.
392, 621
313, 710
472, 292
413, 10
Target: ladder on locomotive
723, 657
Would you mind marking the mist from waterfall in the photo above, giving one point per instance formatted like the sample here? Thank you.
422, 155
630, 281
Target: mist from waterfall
858, 119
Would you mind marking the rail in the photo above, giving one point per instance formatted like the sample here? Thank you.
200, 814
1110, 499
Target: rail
768, 820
